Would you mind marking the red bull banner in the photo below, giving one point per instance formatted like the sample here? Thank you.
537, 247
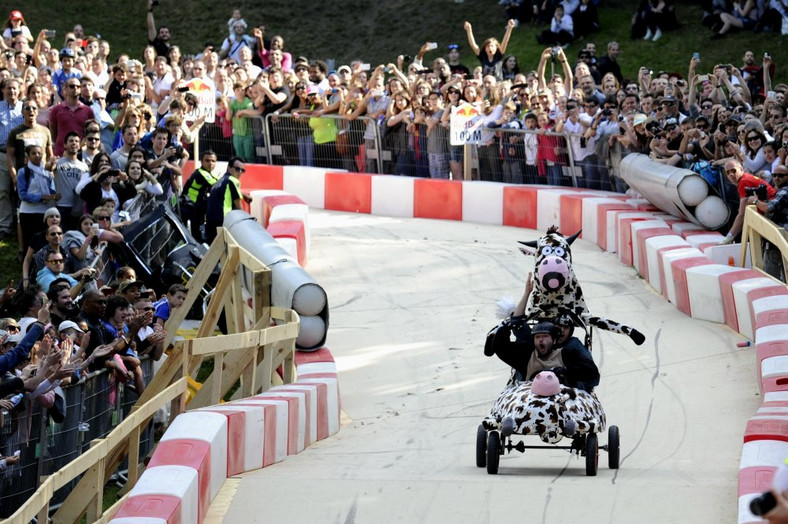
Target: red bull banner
465, 125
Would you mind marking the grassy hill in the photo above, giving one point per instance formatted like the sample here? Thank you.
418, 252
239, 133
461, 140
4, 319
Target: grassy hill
378, 31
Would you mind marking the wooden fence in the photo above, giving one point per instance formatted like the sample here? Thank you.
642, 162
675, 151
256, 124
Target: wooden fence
254, 351
756, 228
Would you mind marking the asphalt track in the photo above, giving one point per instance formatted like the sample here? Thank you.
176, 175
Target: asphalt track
411, 301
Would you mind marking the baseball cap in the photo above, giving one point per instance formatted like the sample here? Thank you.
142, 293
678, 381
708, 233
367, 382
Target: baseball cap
129, 283
67, 52
68, 324
16, 15
639, 119
312, 89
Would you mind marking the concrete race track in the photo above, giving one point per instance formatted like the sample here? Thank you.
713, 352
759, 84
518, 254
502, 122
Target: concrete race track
411, 301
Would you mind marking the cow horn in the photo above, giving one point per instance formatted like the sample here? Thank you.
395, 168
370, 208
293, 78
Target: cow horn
571, 239
530, 243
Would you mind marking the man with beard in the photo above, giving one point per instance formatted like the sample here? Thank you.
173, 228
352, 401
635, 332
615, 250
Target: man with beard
159, 40
572, 363
63, 307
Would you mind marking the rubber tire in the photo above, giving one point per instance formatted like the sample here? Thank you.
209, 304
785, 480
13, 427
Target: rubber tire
493, 452
592, 454
613, 443
481, 447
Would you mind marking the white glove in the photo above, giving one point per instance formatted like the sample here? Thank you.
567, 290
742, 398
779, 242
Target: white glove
727, 240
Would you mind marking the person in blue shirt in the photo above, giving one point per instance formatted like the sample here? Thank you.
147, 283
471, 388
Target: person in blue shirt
174, 299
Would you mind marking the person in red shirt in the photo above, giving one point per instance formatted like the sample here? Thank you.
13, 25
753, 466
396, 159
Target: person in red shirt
69, 115
742, 180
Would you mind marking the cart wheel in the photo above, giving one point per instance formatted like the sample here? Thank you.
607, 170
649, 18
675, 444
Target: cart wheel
592, 454
493, 452
612, 447
481, 447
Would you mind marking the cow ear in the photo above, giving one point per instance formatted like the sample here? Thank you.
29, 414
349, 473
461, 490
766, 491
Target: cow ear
571, 239
527, 251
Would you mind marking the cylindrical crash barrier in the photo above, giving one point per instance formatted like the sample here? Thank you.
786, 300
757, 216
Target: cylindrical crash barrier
291, 286
676, 191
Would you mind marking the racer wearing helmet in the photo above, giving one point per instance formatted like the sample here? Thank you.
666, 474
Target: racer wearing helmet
572, 345
571, 362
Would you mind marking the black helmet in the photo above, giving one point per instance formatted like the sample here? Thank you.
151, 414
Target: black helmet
545, 328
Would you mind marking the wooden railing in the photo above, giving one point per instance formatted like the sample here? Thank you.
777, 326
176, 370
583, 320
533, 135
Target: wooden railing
254, 351
756, 228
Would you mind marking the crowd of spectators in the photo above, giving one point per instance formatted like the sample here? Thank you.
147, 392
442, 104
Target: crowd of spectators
87, 139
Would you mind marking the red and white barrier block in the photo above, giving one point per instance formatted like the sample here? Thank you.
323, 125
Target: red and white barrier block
169, 493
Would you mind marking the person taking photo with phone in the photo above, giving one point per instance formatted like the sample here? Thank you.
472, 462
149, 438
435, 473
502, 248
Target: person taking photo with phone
105, 182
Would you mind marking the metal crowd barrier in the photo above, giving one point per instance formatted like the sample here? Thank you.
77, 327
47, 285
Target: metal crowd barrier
46, 446
365, 145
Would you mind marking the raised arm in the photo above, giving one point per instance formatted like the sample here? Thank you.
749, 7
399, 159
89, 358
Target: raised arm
507, 35
471, 41
569, 78
541, 84
151, 23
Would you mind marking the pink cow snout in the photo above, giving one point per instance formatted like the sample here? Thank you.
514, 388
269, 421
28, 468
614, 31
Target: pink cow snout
553, 273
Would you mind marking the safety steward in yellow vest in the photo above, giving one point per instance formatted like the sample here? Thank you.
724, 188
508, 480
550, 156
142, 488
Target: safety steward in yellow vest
194, 199
224, 197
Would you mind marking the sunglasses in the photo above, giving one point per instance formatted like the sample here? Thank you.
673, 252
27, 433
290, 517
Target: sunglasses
56, 234
729, 171
30, 108
453, 46
706, 106
753, 138
146, 308
102, 218
56, 261
779, 175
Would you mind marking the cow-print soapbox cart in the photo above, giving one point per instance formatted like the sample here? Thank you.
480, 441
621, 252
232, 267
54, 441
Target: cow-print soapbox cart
546, 409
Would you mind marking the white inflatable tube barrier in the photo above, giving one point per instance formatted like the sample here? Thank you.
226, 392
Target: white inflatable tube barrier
677, 191
291, 286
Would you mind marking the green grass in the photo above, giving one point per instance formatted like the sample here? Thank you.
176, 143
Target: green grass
10, 268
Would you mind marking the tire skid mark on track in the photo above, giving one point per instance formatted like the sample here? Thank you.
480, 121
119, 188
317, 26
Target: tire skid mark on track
654, 377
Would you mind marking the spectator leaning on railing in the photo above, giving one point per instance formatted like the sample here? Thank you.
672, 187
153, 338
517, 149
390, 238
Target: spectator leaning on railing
776, 209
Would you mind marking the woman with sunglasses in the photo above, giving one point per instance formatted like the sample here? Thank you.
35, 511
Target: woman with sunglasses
297, 105
452, 99
753, 160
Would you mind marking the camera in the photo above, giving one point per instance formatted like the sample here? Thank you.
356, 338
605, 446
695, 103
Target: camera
761, 192
607, 112
554, 52
49, 34
763, 504
767, 56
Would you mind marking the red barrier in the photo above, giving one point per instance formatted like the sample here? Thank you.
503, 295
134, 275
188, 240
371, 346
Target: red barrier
519, 207
351, 192
438, 199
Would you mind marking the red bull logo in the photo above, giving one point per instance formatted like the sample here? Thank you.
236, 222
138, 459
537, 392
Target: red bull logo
466, 110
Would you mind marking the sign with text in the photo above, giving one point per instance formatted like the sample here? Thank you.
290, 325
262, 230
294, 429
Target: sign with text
465, 125
205, 92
